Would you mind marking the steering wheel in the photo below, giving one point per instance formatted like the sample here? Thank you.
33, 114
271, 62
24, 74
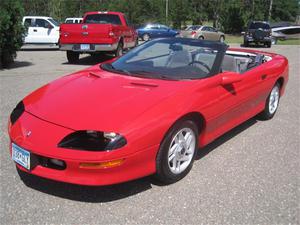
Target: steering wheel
202, 64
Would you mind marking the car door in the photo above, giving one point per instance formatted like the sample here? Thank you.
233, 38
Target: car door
40, 33
214, 34
205, 33
240, 100
28, 24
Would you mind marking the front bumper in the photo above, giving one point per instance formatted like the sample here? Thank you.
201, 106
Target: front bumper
42, 142
255, 40
93, 47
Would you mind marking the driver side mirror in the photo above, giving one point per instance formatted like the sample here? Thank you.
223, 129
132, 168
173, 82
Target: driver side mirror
230, 78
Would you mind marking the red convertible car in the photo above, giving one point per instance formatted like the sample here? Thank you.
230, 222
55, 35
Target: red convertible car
145, 113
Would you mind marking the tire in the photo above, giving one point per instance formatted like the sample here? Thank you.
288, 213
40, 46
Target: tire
246, 43
146, 37
222, 39
72, 57
201, 38
271, 104
269, 44
171, 167
119, 50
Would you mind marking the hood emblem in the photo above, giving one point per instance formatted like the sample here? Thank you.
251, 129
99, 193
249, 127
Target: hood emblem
28, 133
84, 27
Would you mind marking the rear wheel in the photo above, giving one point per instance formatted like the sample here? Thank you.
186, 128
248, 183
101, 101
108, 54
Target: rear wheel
246, 43
269, 44
146, 37
72, 57
222, 39
119, 50
177, 152
271, 104
201, 38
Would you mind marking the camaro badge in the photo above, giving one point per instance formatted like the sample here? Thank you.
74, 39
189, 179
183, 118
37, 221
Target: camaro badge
28, 133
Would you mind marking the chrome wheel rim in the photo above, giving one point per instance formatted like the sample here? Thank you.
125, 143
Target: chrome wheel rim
222, 39
274, 99
181, 150
146, 37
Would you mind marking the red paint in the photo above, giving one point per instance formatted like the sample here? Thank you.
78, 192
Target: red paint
142, 110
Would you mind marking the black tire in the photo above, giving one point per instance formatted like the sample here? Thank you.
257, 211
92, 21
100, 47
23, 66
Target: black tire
268, 113
119, 50
72, 57
246, 43
146, 37
222, 39
163, 172
201, 38
269, 44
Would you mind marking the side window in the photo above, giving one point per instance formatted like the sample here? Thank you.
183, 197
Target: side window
213, 29
205, 29
27, 23
41, 23
154, 27
127, 21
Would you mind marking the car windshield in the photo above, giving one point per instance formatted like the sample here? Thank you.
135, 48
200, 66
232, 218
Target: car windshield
54, 22
258, 25
171, 58
103, 19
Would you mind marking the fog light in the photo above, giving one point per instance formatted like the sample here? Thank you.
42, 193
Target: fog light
101, 165
57, 162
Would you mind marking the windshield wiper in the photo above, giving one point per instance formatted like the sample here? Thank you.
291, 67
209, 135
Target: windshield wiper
110, 67
150, 74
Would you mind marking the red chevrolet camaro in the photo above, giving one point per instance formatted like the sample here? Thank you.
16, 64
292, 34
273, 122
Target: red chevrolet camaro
147, 112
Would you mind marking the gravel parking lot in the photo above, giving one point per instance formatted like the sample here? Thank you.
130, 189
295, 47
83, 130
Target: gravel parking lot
248, 176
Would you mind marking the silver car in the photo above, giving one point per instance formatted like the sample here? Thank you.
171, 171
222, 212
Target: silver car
203, 32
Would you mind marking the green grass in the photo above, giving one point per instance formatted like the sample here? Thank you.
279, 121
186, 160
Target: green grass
289, 42
233, 39
238, 39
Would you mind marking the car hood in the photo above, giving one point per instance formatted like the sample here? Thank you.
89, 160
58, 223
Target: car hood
97, 99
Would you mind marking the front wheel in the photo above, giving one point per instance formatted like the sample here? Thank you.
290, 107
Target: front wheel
72, 57
177, 152
146, 37
271, 104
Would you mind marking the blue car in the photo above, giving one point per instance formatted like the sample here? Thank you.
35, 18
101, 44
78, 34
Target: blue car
151, 31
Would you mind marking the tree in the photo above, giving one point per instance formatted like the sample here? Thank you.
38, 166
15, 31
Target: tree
11, 30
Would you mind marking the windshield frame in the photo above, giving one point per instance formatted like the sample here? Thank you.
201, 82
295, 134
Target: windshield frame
220, 49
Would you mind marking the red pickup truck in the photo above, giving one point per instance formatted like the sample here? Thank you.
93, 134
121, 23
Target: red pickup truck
98, 32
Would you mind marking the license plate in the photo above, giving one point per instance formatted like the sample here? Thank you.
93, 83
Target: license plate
85, 47
21, 156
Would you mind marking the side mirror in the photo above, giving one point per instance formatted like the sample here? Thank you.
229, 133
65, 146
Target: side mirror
230, 78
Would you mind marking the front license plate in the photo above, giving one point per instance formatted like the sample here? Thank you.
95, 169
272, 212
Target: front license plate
85, 47
20, 156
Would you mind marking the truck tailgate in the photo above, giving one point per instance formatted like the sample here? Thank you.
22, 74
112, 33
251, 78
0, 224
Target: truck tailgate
86, 33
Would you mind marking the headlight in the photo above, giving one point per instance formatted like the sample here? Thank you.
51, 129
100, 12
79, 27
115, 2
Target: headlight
17, 112
91, 140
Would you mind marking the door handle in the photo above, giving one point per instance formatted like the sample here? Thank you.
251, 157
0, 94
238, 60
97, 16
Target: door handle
264, 76
34, 30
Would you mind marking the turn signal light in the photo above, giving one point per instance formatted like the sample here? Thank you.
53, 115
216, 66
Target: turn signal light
101, 165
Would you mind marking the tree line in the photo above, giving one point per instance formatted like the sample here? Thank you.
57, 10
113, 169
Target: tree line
231, 16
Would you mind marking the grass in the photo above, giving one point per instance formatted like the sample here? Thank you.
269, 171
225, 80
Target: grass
238, 39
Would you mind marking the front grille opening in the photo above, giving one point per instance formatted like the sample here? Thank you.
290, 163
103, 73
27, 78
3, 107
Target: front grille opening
56, 164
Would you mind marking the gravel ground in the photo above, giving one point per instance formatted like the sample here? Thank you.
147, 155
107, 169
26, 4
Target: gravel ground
248, 176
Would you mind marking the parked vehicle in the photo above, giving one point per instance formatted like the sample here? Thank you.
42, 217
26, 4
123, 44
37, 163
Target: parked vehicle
73, 20
98, 32
258, 32
41, 30
151, 31
285, 33
203, 33
146, 112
